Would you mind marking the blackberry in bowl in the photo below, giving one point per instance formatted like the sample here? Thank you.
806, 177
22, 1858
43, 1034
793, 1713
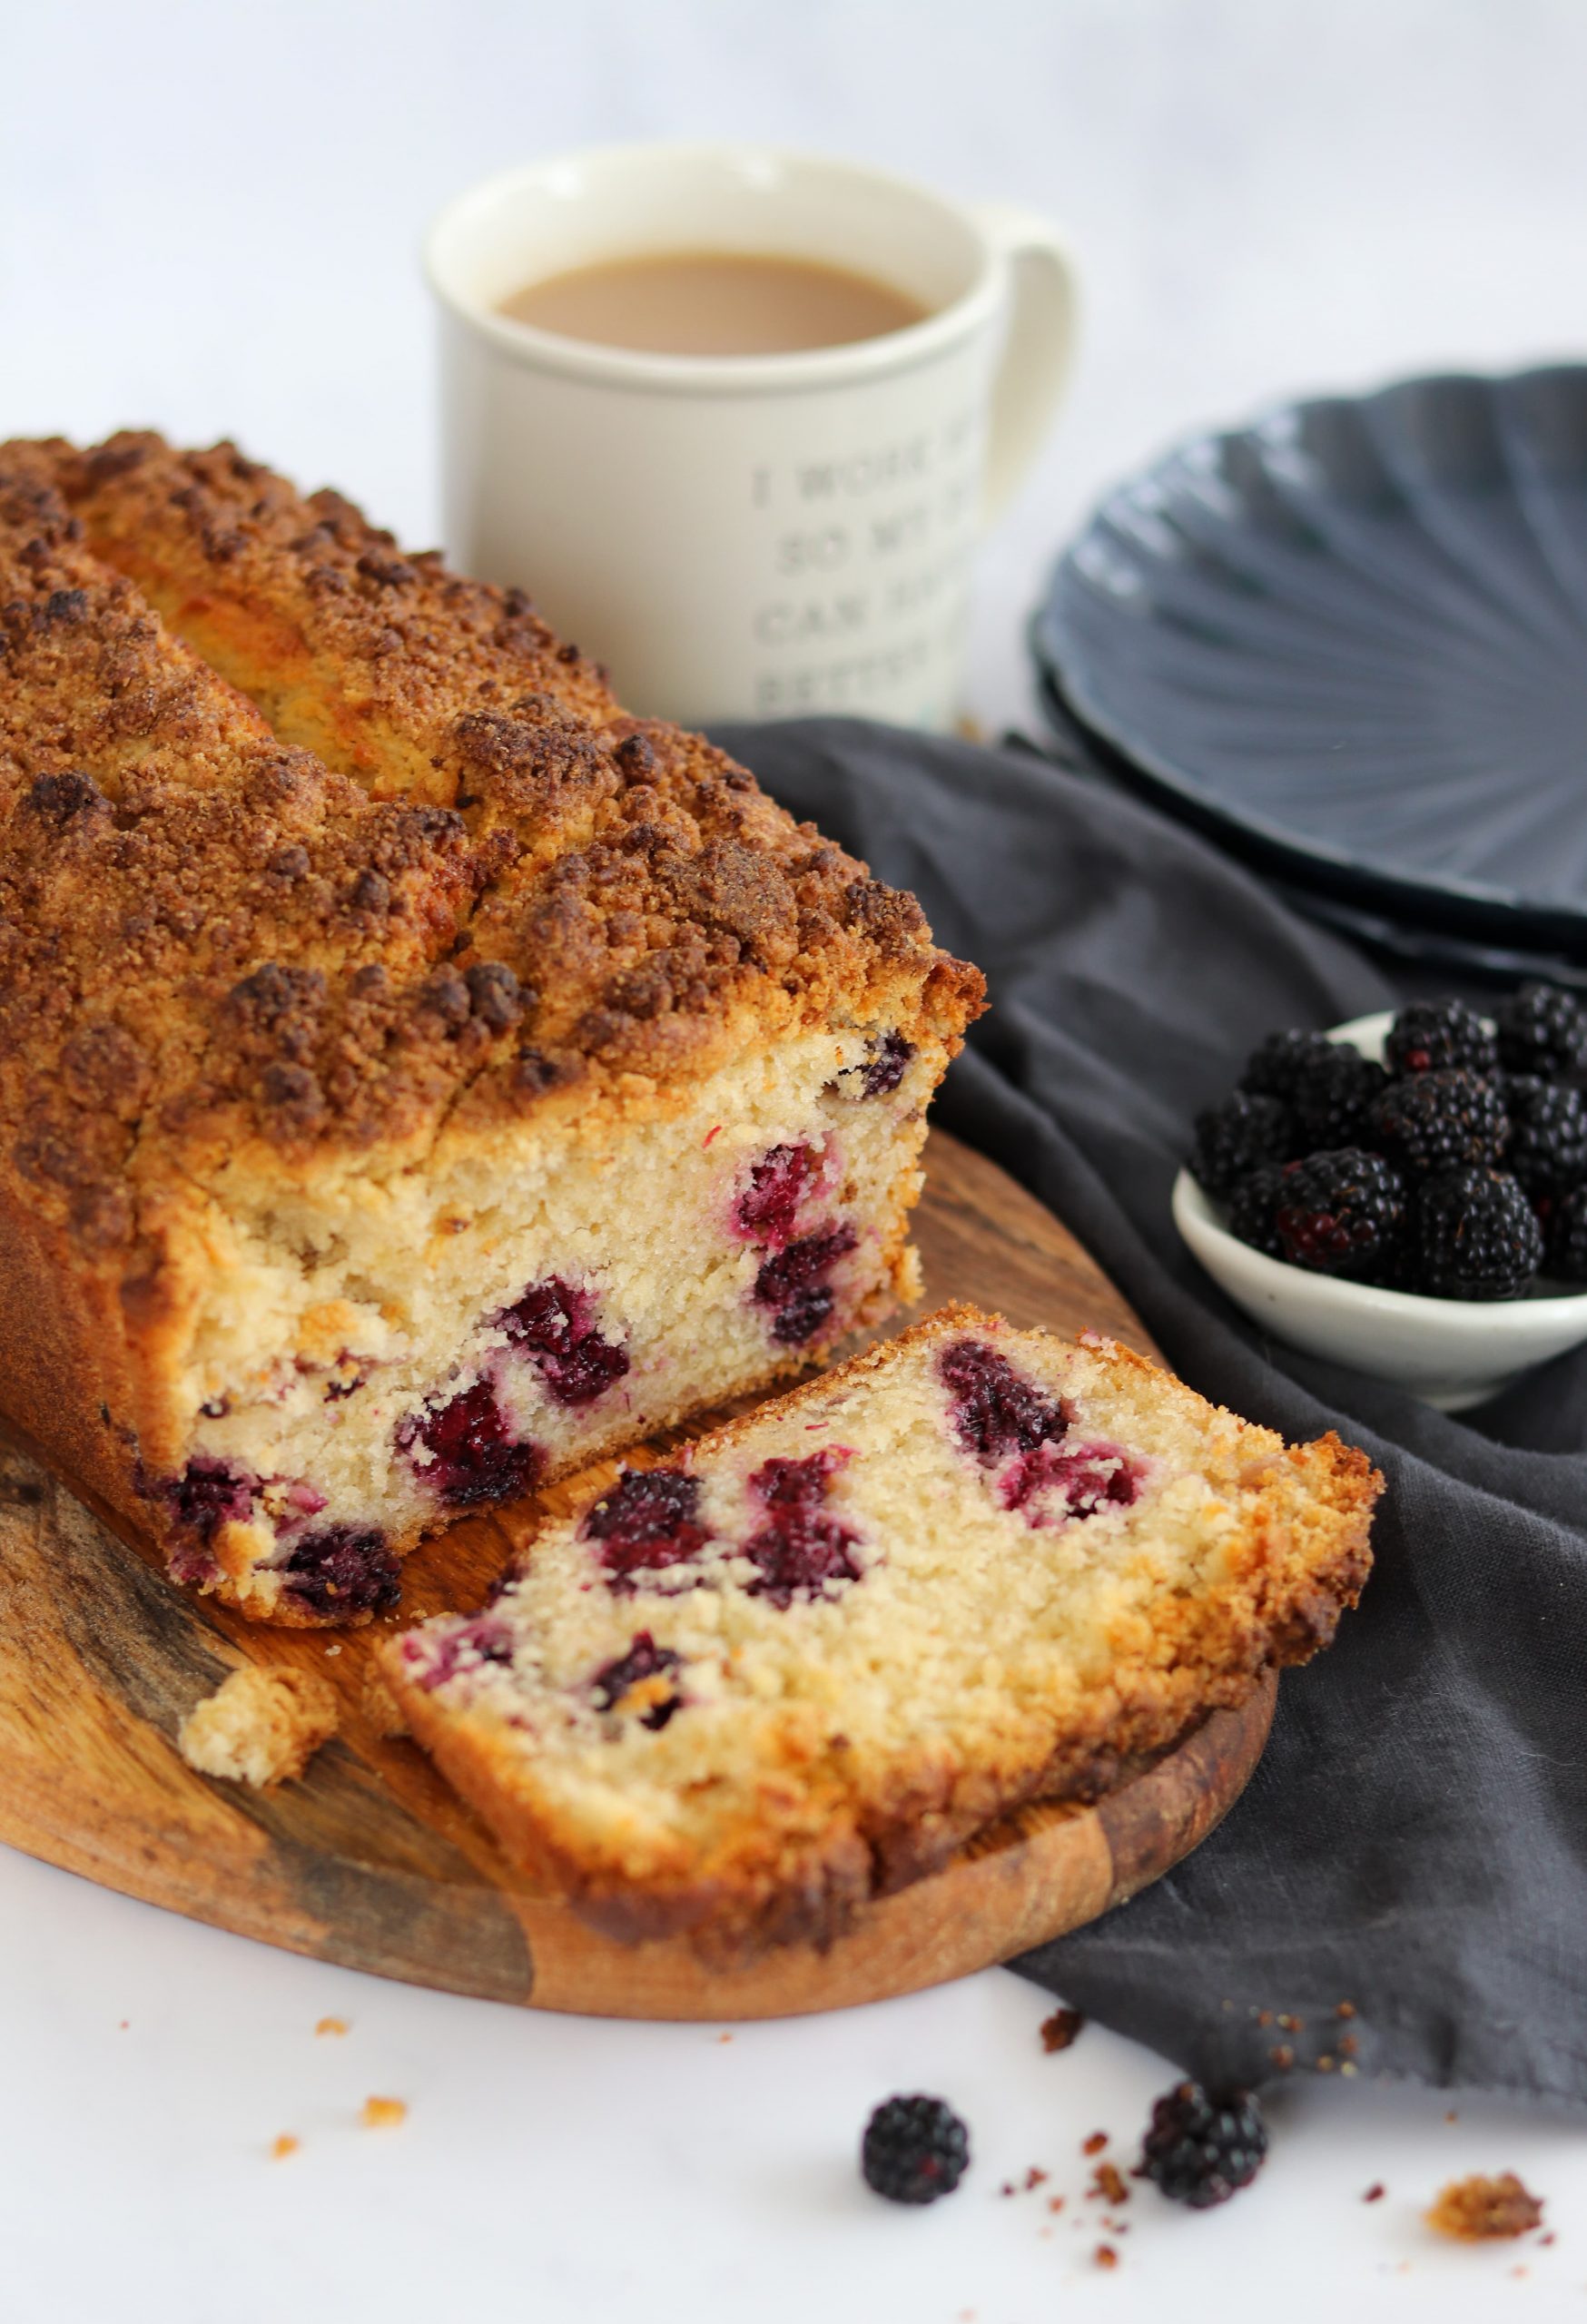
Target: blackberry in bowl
1463, 1290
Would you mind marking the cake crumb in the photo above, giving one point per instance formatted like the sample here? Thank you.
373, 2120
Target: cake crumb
260, 1726
1479, 2209
1107, 2185
1055, 2203
1282, 2055
1289, 2025
1106, 2255
725, 2037
1345, 2009
384, 2113
1375, 2193
284, 2145
1061, 2030
1095, 2143
332, 2025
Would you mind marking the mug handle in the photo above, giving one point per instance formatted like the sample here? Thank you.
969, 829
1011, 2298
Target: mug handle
1038, 347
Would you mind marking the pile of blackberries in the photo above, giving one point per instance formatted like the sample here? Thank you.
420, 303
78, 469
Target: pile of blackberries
1457, 1168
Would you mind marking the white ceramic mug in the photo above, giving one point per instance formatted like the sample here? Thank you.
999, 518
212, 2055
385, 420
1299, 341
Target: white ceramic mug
746, 536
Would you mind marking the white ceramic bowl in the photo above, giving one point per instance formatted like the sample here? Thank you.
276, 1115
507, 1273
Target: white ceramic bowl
1451, 1353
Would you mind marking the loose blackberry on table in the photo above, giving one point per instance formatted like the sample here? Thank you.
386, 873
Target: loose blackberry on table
1473, 1236
1436, 1036
1445, 1119
1200, 2149
1341, 1214
914, 2149
1234, 1138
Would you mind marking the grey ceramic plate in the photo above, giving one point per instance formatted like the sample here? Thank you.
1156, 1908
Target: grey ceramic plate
1352, 637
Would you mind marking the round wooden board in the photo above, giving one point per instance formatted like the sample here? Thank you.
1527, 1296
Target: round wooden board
372, 1861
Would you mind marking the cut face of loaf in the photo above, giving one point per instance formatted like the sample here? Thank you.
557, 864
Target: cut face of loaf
416, 1076
797, 1666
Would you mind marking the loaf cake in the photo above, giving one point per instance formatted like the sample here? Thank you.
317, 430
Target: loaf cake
796, 1666
417, 1076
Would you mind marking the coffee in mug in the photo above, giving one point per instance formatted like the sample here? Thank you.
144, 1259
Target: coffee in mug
734, 418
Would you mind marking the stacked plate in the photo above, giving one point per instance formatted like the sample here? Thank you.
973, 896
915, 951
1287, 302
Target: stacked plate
1350, 641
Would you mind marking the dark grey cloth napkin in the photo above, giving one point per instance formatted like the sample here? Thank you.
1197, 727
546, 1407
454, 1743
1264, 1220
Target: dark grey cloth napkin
1414, 1841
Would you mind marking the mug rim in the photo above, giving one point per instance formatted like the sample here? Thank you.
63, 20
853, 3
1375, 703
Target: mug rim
889, 352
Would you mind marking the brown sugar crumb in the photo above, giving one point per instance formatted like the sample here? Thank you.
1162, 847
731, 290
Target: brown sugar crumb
332, 2025
259, 1727
1106, 2255
1478, 2209
281, 2147
1107, 2185
1060, 2031
1095, 2143
1375, 2193
384, 2113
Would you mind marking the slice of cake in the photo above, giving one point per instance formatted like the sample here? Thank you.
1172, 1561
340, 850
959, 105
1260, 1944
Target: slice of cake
798, 1665
416, 1077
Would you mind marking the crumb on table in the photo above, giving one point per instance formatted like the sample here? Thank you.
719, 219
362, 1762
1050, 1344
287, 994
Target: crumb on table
1060, 2030
1478, 2209
284, 2145
331, 2026
384, 2113
259, 1727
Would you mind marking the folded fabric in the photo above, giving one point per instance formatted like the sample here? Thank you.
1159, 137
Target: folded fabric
1403, 1889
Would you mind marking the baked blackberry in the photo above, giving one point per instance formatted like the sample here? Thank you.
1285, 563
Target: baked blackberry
1566, 1257
1547, 1149
1473, 1236
1200, 2149
1234, 1138
1251, 1208
914, 2149
1436, 1036
1341, 1214
1543, 1031
1439, 1120
1275, 1066
1333, 1097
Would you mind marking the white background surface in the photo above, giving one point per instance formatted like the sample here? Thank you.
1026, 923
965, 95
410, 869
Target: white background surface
208, 215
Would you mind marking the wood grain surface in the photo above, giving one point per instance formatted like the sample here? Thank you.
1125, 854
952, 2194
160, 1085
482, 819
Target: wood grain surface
372, 1861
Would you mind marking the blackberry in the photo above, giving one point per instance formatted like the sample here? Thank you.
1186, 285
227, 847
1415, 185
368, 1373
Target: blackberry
1274, 1067
1234, 1138
1567, 1238
1548, 1136
1439, 1120
914, 2149
1199, 2150
1333, 1097
1341, 1214
1543, 1031
1251, 1208
1473, 1236
1435, 1035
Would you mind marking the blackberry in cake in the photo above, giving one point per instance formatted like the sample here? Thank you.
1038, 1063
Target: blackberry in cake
799, 1663
417, 1076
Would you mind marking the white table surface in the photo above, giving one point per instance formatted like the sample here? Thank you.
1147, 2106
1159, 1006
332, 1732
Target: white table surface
207, 221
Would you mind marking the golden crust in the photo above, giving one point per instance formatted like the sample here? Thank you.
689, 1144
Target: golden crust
815, 1850
313, 855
